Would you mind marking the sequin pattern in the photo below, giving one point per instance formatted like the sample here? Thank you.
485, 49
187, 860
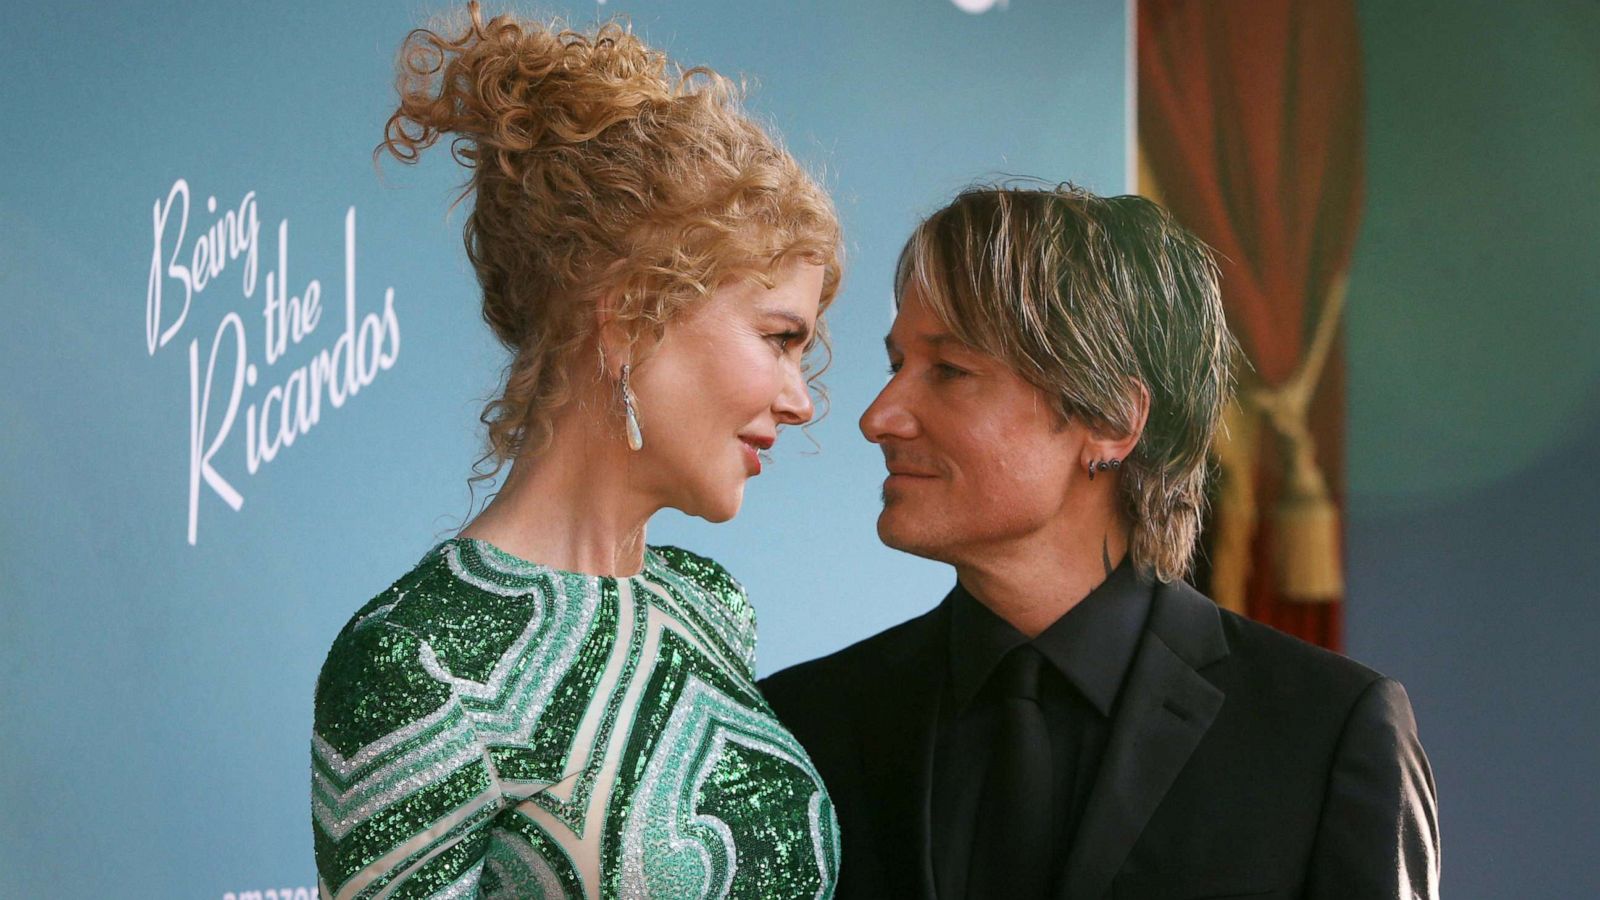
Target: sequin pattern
490, 727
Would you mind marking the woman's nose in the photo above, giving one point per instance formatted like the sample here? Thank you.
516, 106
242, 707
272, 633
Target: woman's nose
793, 405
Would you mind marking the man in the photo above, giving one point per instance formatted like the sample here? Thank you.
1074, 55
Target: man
1073, 720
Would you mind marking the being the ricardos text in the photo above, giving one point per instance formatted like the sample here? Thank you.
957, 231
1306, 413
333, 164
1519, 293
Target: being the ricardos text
230, 396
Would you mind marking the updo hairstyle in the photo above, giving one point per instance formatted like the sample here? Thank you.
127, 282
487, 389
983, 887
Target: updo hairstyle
601, 174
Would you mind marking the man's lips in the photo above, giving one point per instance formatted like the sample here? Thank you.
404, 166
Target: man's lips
899, 469
910, 467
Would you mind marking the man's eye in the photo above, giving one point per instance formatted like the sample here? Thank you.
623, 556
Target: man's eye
946, 370
894, 368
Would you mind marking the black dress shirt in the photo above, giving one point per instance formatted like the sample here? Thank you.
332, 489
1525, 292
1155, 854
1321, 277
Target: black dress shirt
1089, 650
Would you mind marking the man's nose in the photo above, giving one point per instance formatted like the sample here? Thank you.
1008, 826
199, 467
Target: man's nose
887, 416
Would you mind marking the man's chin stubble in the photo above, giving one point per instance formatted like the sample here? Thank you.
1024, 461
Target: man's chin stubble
889, 538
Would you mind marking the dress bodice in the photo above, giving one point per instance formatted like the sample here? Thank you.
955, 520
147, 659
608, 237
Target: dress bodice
492, 727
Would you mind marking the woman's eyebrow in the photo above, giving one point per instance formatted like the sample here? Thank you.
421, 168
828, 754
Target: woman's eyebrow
797, 324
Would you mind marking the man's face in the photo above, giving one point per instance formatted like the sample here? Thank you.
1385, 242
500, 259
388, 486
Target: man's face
977, 457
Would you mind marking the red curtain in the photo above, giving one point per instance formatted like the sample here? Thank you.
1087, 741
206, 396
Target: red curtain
1250, 122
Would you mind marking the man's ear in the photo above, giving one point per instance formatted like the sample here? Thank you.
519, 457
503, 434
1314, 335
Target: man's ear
1104, 446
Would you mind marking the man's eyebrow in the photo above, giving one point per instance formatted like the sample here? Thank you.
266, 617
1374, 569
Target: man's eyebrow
937, 339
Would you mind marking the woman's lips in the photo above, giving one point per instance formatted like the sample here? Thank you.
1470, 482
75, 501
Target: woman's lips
752, 457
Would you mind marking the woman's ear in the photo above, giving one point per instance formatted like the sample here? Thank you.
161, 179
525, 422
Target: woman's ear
613, 339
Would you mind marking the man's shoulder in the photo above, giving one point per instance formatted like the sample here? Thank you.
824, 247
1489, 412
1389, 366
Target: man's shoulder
1268, 646
1275, 665
1286, 698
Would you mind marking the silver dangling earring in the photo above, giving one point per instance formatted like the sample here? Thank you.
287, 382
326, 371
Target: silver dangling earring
1091, 470
635, 437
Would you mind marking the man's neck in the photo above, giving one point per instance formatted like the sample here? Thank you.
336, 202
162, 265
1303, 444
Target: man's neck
1036, 580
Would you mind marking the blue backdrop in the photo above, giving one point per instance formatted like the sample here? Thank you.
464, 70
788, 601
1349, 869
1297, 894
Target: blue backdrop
193, 230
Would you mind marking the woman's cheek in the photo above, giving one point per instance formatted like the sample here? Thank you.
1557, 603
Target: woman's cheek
751, 379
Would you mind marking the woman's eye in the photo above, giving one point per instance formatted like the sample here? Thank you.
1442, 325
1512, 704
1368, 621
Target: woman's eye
783, 339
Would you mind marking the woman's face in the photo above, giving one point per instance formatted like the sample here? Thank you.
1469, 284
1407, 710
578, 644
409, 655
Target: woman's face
714, 391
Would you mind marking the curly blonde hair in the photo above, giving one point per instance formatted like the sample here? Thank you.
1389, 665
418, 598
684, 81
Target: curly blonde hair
602, 174
1083, 296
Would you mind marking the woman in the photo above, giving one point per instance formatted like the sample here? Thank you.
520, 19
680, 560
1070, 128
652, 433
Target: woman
546, 706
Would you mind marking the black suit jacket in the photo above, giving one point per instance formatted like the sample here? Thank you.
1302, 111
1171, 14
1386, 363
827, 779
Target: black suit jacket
1241, 763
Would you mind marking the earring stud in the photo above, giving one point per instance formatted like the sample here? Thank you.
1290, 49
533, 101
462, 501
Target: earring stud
1102, 465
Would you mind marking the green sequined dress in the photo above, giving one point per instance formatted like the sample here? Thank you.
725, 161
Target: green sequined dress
488, 727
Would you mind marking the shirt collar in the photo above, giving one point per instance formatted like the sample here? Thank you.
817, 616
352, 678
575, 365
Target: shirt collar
1091, 645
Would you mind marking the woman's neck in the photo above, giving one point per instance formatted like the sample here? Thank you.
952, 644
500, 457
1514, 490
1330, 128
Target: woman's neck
574, 507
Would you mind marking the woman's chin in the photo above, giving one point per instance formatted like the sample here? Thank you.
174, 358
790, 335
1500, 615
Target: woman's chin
718, 509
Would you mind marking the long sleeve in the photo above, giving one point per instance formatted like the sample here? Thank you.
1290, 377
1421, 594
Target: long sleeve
403, 791
1379, 832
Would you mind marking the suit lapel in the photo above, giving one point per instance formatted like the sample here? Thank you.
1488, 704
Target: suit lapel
1165, 709
898, 748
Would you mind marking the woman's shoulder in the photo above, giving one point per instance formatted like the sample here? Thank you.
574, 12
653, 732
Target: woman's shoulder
373, 681
708, 574
728, 601
450, 617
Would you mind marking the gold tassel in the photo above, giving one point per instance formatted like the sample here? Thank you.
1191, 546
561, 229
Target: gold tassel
1307, 557
1305, 522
